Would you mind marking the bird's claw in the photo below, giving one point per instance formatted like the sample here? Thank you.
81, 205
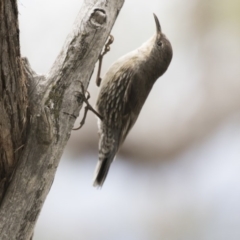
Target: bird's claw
106, 49
85, 99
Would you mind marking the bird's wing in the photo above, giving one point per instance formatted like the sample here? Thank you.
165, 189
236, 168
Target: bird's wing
130, 106
117, 101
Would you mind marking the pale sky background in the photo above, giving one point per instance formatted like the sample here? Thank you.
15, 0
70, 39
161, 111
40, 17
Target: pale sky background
177, 175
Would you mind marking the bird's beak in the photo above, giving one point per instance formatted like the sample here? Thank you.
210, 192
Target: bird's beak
158, 26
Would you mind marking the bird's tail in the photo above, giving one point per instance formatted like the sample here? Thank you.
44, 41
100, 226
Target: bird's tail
107, 150
101, 171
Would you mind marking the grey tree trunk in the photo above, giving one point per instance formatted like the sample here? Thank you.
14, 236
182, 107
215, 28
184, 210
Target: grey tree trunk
37, 113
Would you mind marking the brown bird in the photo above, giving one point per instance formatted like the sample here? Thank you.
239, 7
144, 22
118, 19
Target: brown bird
124, 90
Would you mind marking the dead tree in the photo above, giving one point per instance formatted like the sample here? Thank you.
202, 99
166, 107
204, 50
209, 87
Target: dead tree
37, 112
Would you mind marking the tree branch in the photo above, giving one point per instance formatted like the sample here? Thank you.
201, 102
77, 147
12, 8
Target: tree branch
13, 94
54, 107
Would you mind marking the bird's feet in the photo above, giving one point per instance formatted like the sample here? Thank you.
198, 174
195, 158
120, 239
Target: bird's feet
85, 99
100, 59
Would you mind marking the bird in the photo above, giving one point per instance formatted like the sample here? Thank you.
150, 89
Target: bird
124, 90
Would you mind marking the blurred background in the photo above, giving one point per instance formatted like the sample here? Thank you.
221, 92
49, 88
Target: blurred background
177, 174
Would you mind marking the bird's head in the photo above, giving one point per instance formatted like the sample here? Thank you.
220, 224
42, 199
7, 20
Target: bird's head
162, 49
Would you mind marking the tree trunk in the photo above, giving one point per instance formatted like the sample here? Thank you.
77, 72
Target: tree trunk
38, 112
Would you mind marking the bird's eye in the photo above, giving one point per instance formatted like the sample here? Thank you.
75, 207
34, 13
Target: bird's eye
159, 43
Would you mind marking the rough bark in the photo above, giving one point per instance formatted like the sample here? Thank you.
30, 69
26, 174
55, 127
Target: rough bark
13, 94
36, 121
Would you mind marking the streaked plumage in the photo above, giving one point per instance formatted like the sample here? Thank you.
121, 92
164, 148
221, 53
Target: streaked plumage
124, 89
